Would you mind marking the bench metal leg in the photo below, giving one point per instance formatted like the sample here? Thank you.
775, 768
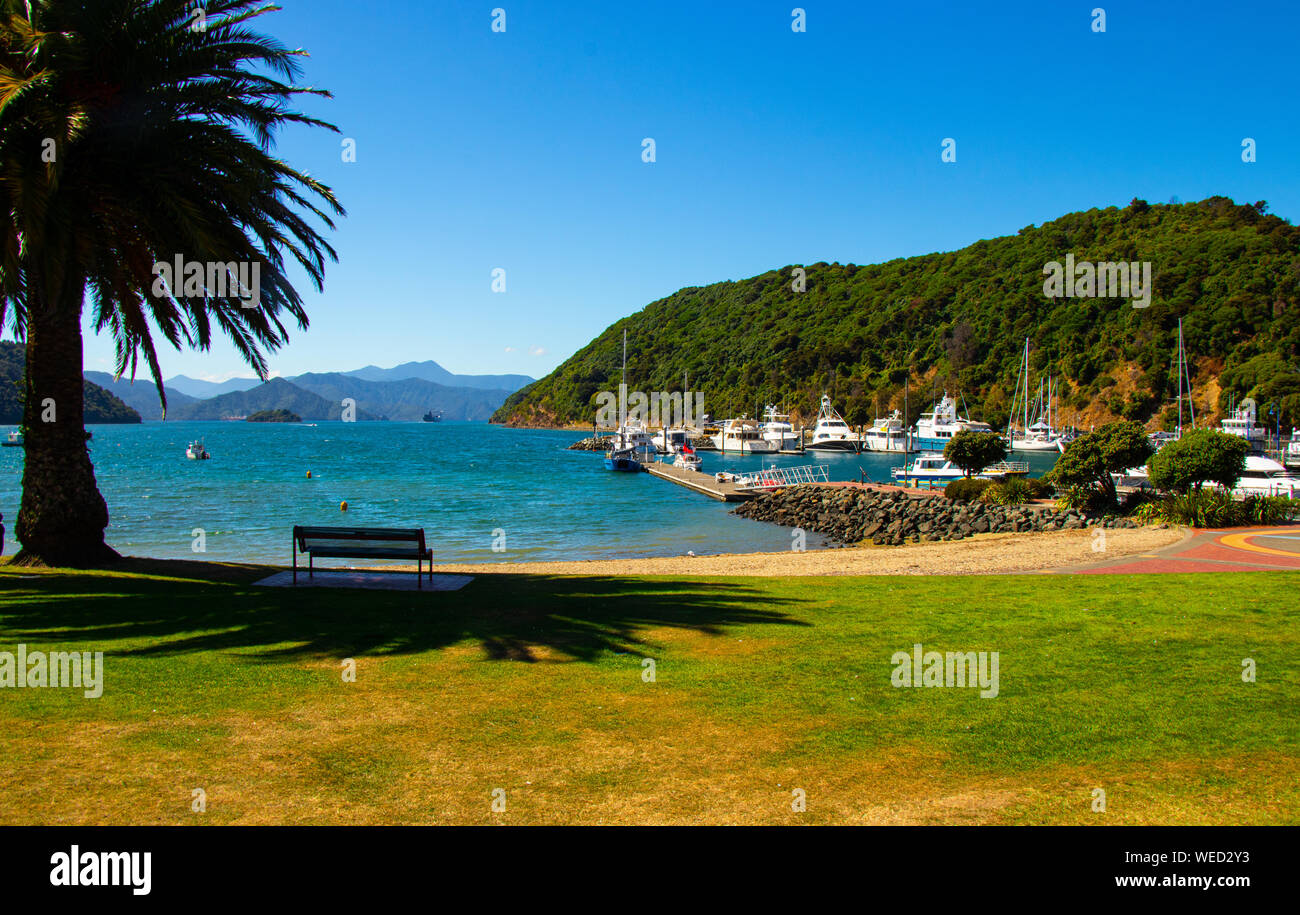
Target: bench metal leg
295, 560
311, 571
419, 574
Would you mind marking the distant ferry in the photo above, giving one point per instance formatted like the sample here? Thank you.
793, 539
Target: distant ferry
432, 417
935, 429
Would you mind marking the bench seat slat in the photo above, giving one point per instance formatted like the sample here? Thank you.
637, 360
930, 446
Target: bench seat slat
361, 551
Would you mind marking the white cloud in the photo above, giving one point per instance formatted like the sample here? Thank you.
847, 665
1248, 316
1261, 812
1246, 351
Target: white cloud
510, 349
537, 350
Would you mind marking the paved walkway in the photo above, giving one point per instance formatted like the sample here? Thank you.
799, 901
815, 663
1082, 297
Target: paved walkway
1235, 550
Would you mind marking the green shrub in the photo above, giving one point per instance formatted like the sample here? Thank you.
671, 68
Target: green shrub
1217, 508
1011, 491
1149, 512
1138, 499
1040, 489
1200, 456
1084, 499
1265, 510
966, 489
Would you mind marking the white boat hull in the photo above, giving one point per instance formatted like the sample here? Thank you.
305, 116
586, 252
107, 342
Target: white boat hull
834, 444
1034, 445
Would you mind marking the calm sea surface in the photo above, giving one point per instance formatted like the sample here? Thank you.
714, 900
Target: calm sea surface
459, 481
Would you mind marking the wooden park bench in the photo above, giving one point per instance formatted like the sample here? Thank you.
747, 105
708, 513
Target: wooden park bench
362, 543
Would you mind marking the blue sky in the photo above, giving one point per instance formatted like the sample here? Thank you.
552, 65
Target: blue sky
522, 150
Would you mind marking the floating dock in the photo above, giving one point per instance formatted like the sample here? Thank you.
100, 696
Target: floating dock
700, 482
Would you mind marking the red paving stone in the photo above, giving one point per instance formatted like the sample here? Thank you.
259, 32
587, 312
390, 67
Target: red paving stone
1158, 566
1205, 552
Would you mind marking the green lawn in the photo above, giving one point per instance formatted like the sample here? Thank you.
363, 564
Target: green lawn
534, 685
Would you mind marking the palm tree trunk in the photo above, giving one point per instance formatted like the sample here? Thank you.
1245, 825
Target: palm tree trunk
62, 517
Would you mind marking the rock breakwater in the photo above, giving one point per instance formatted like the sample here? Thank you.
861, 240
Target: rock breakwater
893, 517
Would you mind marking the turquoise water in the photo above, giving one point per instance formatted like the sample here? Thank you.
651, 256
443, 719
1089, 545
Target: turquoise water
459, 481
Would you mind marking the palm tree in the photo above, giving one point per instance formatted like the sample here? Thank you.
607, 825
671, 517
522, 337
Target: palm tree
134, 133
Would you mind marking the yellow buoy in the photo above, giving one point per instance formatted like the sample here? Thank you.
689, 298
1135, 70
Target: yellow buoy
309, 474
343, 506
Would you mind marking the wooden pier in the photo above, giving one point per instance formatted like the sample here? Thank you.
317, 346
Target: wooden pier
700, 482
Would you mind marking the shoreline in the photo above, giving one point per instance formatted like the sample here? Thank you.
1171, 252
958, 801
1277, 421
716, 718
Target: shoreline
1009, 553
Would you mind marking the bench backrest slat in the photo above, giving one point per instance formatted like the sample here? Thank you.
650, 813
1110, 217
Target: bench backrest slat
304, 534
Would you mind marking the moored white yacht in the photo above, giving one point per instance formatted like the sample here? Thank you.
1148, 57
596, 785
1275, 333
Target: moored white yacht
1242, 422
832, 433
633, 440
1292, 454
743, 436
670, 441
888, 434
1264, 476
776, 428
631, 444
1038, 435
935, 429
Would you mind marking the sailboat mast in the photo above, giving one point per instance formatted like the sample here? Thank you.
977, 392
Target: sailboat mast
1180, 378
1022, 380
907, 427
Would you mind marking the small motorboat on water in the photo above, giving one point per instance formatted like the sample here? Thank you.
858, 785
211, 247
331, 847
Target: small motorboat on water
935, 468
623, 459
196, 452
687, 459
14, 439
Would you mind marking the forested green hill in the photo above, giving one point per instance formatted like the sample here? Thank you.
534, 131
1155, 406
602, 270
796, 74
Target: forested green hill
958, 320
100, 405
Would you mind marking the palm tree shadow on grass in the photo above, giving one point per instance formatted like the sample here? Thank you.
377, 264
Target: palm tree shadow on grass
512, 617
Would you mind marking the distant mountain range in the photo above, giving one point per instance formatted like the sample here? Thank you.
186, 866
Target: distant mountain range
403, 393
406, 400
427, 370
432, 371
276, 394
199, 389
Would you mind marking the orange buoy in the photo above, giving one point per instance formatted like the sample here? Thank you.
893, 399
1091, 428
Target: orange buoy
343, 506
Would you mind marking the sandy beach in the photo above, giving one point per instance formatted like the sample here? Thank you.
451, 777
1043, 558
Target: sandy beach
982, 554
